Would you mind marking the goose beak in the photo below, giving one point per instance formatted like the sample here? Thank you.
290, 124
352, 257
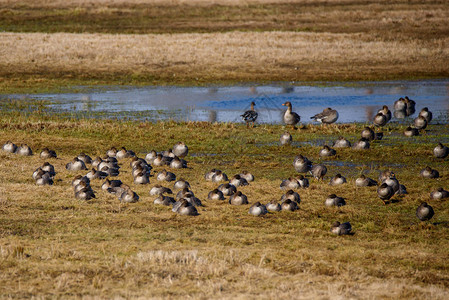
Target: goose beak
283, 104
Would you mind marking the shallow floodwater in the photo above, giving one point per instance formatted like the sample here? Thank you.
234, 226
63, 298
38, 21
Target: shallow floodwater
355, 101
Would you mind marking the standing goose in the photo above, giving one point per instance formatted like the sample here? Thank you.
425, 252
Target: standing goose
385, 192
380, 119
368, 133
327, 116
318, 171
250, 116
290, 117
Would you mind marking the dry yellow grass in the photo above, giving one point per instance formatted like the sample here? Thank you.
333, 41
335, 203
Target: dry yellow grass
221, 56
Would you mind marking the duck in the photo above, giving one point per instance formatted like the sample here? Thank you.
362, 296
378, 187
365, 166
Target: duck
385, 192
334, 200
424, 212
380, 120
150, 156
289, 183
24, 150
208, 176
368, 133
215, 195
9, 147
426, 114
441, 151
47, 153
181, 184
439, 194
250, 116
363, 181
76, 165
111, 185
410, 131
178, 163
273, 205
227, 189
85, 194
285, 139
180, 149
428, 172
337, 180
420, 123
159, 189
341, 142
292, 195
128, 196
185, 208
327, 116
290, 117
302, 164
289, 205
238, 199
141, 178
247, 175
96, 174
341, 228
164, 200
386, 112
361, 144
318, 171
237, 181
327, 151
258, 209
219, 176
165, 176
302, 181
85, 158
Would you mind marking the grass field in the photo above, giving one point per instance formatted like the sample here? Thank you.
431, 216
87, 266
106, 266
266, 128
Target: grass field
53, 245
53, 44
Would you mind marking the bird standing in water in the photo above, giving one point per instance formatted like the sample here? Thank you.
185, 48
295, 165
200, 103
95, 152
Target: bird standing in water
290, 117
250, 116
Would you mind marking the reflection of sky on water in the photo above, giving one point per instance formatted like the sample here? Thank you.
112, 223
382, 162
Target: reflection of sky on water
356, 102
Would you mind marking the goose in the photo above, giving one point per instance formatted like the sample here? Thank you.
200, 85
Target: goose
327, 151
247, 175
410, 131
302, 181
273, 205
47, 153
237, 181
219, 176
289, 205
441, 151
380, 119
238, 199
361, 144
293, 196
341, 142
24, 150
164, 200
180, 149
165, 176
227, 189
290, 117
181, 184
96, 174
185, 208
426, 114
76, 165
258, 209
302, 164
215, 195
337, 180
9, 147
368, 133
424, 212
428, 172
439, 194
363, 181
341, 228
85, 158
420, 122
250, 116
385, 192
159, 189
334, 200
318, 171
386, 112
285, 139
327, 116
289, 183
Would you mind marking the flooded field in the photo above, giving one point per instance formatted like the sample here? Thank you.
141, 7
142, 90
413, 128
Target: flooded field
355, 101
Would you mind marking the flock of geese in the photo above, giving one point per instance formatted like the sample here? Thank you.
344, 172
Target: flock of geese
185, 202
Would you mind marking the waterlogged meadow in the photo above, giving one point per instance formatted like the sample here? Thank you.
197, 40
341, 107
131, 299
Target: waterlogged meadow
53, 245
